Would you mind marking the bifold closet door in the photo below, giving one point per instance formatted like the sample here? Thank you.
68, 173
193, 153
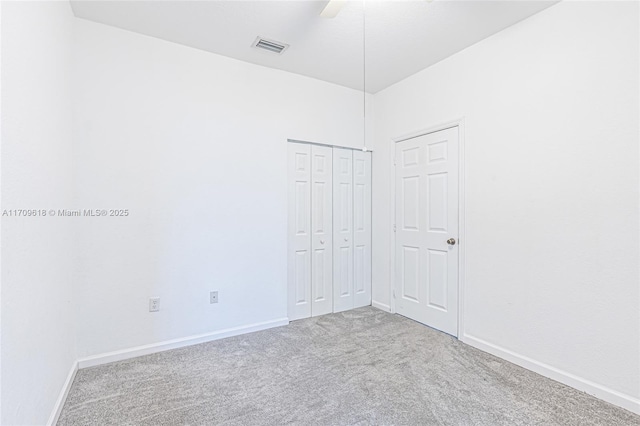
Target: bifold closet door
361, 228
342, 229
321, 230
299, 235
329, 230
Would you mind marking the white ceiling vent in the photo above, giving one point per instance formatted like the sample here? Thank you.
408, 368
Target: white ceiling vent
270, 45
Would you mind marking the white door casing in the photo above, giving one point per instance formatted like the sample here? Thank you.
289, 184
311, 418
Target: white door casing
426, 211
299, 224
321, 230
342, 229
362, 228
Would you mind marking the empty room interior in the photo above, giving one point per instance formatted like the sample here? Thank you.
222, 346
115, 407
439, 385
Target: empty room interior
367, 212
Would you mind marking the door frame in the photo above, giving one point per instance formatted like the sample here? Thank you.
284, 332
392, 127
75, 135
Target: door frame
462, 241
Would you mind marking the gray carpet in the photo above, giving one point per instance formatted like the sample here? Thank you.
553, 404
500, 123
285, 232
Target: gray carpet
354, 368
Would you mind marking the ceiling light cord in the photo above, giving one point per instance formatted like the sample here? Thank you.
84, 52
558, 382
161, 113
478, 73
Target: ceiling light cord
364, 76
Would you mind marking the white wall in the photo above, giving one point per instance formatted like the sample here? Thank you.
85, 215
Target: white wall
194, 145
551, 119
38, 321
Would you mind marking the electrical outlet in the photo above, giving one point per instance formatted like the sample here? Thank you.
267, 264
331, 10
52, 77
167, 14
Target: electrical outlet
154, 304
213, 297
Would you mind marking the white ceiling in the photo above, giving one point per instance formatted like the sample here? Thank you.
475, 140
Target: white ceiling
402, 37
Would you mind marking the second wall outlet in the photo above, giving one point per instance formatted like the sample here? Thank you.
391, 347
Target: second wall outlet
213, 297
154, 304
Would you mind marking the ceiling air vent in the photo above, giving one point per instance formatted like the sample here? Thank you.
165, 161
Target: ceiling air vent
270, 45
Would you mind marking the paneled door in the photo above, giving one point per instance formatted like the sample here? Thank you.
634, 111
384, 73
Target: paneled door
342, 229
328, 228
426, 246
361, 229
299, 232
321, 235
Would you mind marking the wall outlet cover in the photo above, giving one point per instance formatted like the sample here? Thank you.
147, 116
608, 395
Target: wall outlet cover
154, 304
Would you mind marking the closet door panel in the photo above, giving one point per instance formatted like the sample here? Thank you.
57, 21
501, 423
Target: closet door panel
362, 228
299, 231
321, 231
343, 285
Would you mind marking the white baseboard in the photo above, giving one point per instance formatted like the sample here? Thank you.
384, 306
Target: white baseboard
128, 353
57, 408
381, 306
620, 399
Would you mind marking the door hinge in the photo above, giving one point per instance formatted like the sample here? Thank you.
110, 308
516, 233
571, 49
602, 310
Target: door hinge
394, 227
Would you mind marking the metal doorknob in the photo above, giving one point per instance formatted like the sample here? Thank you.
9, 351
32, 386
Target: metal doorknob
451, 241
346, 239
321, 241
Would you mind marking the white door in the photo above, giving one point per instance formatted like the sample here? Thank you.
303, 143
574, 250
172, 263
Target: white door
299, 224
426, 247
321, 230
342, 229
362, 228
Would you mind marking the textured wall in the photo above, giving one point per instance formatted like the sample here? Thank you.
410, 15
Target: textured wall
194, 145
38, 315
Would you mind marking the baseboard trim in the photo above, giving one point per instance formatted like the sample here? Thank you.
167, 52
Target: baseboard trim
381, 306
128, 353
627, 402
57, 408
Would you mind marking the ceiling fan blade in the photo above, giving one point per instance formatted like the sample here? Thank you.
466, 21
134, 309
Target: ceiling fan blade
332, 8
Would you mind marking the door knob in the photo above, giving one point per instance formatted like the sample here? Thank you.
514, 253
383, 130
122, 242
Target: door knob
321, 241
451, 241
346, 239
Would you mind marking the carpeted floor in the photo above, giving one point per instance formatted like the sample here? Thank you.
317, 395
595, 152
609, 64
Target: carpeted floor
354, 368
